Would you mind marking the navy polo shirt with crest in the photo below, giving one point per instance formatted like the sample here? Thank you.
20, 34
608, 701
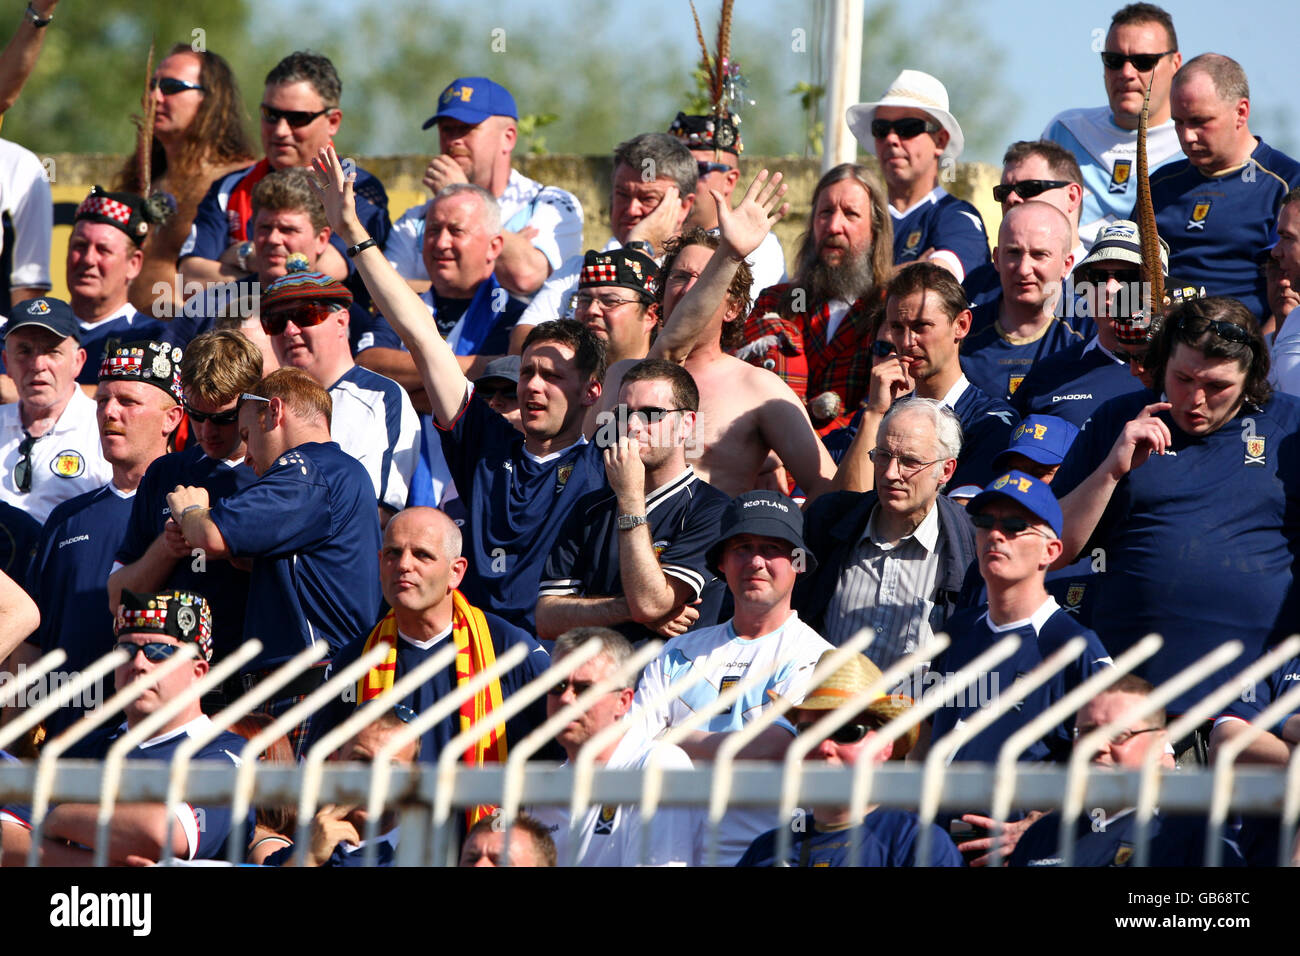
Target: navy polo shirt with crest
311, 526
684, 517
997, 364
1198, 544
1073, 383
941, 221
69, 582
517, 504
224, 585
1219, 227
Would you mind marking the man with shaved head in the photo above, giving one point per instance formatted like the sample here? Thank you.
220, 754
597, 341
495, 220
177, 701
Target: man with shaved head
1010, 333
420, 568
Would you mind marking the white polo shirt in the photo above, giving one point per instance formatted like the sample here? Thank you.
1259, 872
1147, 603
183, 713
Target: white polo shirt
66, 461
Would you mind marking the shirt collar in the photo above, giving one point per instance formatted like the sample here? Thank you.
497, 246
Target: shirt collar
926, 534
425, 645
124, 311
1095, 343
957, 391
543, 459
198, 723
1290, 328
931, 197
1035, 620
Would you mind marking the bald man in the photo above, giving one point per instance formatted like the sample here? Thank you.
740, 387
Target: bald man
1012, 332
420, 569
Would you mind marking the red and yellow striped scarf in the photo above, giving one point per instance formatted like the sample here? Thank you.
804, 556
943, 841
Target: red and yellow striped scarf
474, 653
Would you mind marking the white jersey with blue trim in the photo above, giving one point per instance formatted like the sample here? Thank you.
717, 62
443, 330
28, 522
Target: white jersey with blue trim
787, 654
1107, 156
375, 422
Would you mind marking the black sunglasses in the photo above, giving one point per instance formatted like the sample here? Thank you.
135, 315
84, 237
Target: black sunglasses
882, 348
1224, 330
154, 650
228, 417
1008, 526
706, 168
295, 118
848, 734
650, 415
580, 687
905, 128
171, 86
23, 467
1142, 62
1027, 188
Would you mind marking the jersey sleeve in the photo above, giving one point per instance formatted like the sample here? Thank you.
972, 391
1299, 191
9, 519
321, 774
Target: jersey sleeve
139, 533
286, 511
683, 558
650, 704
405, 240
209, 236
557, 217
32, 214
404, 448
476, 433
988, 436
376, 333
552, 299
566, 565
960, 230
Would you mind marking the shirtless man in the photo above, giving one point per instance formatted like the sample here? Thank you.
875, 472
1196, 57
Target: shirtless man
746, 413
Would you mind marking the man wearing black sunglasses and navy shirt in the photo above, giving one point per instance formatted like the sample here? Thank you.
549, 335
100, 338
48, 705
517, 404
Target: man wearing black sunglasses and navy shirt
151, 628
1141, 50
216, 369
913, 135
300, 114
1191, 489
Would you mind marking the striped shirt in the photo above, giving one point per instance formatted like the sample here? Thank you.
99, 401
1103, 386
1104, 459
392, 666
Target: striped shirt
888, 588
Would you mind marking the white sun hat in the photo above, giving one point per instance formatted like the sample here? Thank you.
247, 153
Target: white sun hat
915, 90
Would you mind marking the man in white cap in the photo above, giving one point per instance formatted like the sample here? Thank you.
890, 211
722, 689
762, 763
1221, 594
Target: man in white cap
915, 136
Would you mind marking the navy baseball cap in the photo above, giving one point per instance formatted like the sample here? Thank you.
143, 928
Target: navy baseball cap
472, 99
1041, 438
763, 513
52, 314
1030, 493
505, 368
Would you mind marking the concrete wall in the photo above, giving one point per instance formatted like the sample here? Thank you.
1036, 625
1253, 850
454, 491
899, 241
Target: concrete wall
587, 177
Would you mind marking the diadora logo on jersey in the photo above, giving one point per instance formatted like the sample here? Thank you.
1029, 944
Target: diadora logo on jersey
68, 464
1255, 450
293, 458
1004, 417
1078, 397
1014, 384
1291, 677
1120, 176
913, 240
1199, 213
605, 822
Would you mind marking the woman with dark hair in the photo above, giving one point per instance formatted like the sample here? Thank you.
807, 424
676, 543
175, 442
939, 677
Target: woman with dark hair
274, 824
1187, 497
198, 137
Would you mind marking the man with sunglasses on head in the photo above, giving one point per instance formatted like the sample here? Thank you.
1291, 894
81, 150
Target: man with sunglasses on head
477, 124
914, 136
138, 409
306, 315
631, 556
1218, 207
1141, 49
216, 369
299, 115
150, 628
49, 440
715, 142
888, 835
1189, 490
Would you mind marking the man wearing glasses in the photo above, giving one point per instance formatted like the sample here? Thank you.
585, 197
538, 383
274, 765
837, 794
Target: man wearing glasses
1141, 50
1018, 528
49, 441
151, 628
631, 556
1189, 490
715, 142
300, 114
1219, 206
138, 408
541, 225
914, 136
216, 369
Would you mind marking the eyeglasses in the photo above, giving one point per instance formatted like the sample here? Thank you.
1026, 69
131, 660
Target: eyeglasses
907, 465
1224, 330
170, 86
23, 467
295, 118
1120, 739
848, 734
1011, 527
1142, 62
607, 302
153, 651
580, 687
706, 168
649, 415
228, 417
905, 128
304, 315
1027, 188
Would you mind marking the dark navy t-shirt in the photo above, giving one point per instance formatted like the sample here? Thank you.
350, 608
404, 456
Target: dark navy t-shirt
889, 837
997, 364
1073, 383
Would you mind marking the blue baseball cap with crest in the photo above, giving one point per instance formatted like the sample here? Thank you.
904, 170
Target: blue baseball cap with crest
49, 313
472, 99
1041, 438
1031, 494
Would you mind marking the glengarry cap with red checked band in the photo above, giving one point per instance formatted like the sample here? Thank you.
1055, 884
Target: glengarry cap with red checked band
157, 363
708, 132
622, 269
125, 211
184, 615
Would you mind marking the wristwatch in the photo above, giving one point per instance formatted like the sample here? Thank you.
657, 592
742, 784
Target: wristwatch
628, 522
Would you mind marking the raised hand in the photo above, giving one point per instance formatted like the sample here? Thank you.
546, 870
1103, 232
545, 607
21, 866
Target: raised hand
1141, 438
334, 188
744, 228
